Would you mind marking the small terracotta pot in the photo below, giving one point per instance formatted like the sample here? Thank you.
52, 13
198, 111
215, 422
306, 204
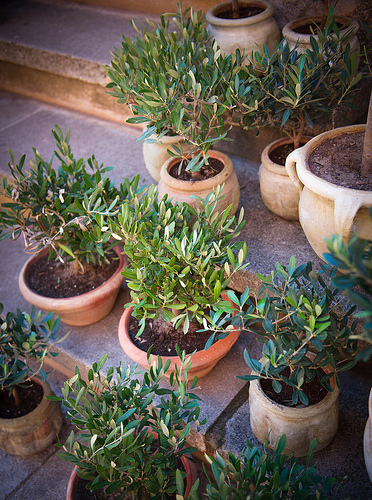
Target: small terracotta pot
270, 420
325, 208
278, 192
81, 310
368, 439
302, 41
155, 153
202, 362
35, 431
190, 469
245, 33
180, 191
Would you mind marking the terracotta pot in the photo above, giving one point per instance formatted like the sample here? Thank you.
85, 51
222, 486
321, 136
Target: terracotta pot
368, 439
325, 208
181, 191
35, 431
303, 41
190, 469
81, 310
202, 361
301, 425
278, 192
244, 33
155, 153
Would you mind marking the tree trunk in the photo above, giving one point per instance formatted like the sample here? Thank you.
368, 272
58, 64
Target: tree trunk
235, 8
367, 148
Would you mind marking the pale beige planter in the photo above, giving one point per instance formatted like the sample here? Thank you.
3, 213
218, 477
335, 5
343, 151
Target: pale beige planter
244, 34
270, 420
155, 153
180, 191
303, 41
81, 310
35, 431
278, 192
325, 208
368, 439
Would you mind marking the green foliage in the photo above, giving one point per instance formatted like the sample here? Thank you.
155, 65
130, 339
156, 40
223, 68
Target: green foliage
131, 431
175, 79
25, 338
48, 207
296, 89
260, 475
307, 325
354, 260
180, 259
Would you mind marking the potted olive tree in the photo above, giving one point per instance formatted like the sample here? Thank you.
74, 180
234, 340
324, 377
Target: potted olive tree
299, 92
28, 421
181, 261
76, 271
131, 431
182, 85
305, 324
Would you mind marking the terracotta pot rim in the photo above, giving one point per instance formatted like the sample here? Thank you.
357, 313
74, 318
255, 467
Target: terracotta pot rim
39, 410
319, 185
113, 282
305, 412
289, 29
181, 185
166, 139
275, 167
213, 19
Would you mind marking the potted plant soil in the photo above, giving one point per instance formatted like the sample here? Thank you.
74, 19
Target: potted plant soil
261, 474
29, 422
183, 86
131, 432
354, 259
181, 261
242, 25
305, 325
299, 92
76, 271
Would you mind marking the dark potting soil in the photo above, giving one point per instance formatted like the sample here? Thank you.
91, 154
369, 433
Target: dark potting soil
313, 390
30, 397
55, 279
311, 27
247, 11
339, 160
206, 172
279, 154
163, 337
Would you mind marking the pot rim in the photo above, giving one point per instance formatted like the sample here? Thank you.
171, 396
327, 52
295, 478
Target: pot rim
289, 29
57, 304
268, 163
181, 185
317, 184
295, 413
258, 18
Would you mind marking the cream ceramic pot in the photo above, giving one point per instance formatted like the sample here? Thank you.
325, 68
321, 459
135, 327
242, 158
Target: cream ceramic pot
368, 439
325, 208
155, 152
181, 190
244, 33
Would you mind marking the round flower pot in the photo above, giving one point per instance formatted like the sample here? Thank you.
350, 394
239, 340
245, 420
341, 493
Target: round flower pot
155, 153
180, 190
368, 439
278, 192
244, 33
80, 310
326, 208
190, 469
302, 41
270, 420
202, 362
35, 431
